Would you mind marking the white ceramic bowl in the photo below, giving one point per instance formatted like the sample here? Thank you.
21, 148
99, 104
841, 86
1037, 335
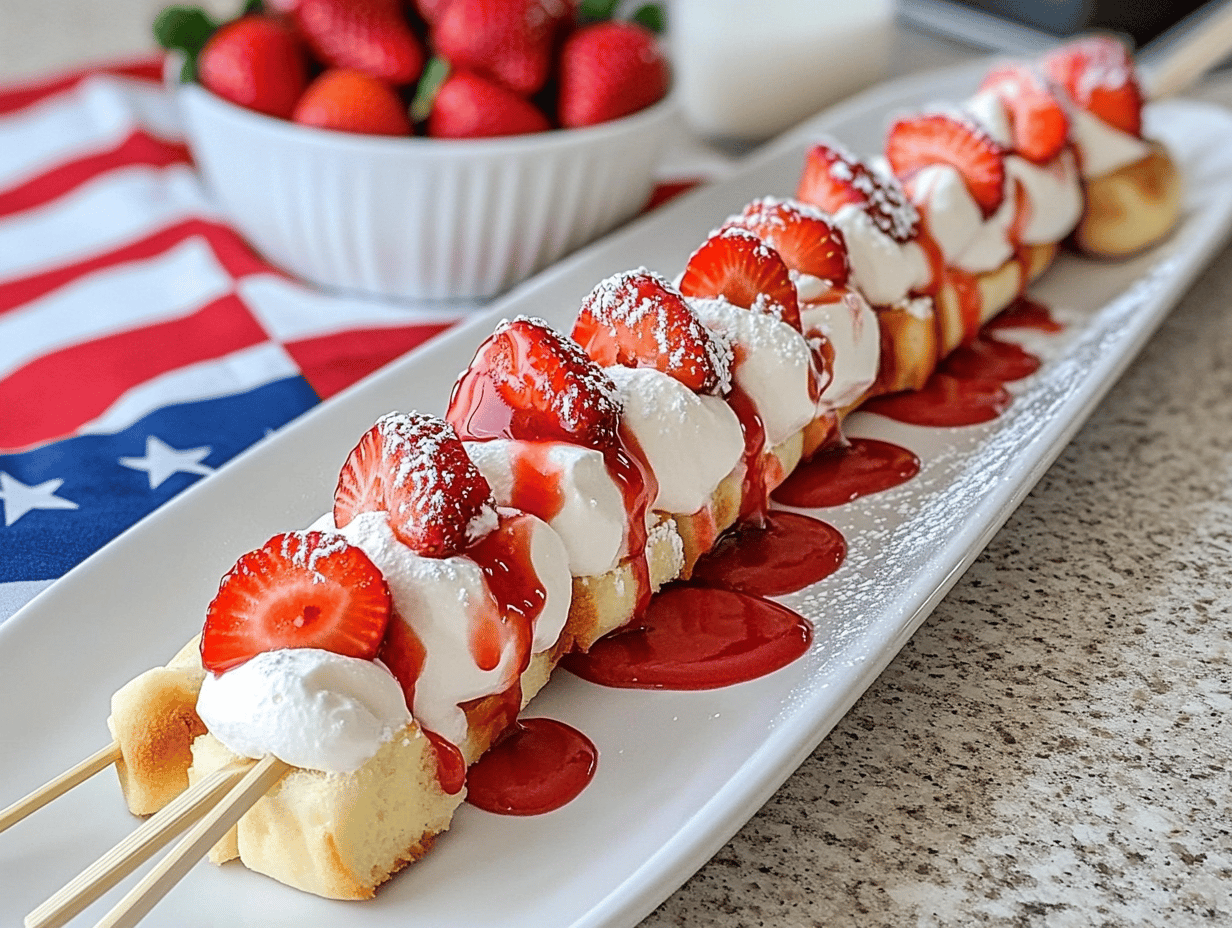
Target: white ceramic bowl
416, 217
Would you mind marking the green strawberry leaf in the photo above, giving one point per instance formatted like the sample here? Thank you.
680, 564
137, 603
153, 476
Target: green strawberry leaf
651, 16
590, 11
434, 74
185, 29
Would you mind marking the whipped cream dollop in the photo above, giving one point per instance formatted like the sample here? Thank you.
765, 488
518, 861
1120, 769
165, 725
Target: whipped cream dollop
1102, 148
569, 487
849, 324
443, 600
992, 245
1052, 195
690, 441
774, 365
954, 218
311, 708
885, 270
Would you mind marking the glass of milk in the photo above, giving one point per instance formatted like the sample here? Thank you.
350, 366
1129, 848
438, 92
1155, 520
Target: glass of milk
748, 69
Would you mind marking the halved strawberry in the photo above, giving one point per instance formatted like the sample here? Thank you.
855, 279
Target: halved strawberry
638, 319
1098, 74
414, 467
527, 381
298, 590
939, 138
806, 239
738, 266
834, 178
1038, 124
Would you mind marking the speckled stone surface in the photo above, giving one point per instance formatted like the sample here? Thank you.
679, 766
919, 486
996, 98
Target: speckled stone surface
1053, 747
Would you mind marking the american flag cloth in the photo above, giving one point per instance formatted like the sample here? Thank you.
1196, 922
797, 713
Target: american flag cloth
143, 343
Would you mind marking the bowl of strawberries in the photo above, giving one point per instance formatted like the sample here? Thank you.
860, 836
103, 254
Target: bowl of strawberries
431, 149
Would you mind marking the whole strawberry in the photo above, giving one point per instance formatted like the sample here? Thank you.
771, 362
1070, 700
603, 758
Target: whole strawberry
608, 70
352, 101
509, 41
365, 35
256, 62
469, 106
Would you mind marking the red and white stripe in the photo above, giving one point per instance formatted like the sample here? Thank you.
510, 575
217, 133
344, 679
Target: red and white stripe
122, 290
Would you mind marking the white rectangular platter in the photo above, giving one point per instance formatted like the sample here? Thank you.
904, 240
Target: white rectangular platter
678, 772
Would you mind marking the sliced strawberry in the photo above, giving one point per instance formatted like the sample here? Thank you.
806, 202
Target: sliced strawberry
1038, 124
527, 381
352, 101
834, 178
638, 319
509, 41
1098, 75
738, 266
415, 468
806, 239
939, 138
298, 590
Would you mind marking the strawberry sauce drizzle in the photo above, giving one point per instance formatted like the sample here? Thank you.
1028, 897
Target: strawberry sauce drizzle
537, 483
1025, 313
504, 557
539, 766
696, 638
639, 487
450, 765
791, 551
945, 402
841, 474
988, 358
970, 300
754, 497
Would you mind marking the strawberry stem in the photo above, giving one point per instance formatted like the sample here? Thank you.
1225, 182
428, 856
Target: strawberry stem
185, 29
434, 74
651, 16
595, 10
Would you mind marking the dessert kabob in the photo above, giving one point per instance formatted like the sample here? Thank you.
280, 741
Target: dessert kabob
1042, 153
651, 434
680, 411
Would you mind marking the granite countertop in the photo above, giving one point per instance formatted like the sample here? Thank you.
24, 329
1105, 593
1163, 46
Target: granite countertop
1049, 749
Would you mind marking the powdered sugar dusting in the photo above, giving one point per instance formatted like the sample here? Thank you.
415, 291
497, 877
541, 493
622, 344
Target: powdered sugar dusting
305, 550
884, 200
644, 301
431, 467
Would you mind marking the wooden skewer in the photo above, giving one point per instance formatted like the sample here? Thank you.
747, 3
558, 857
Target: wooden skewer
138, 847
1187, 55
184, 856
79, 773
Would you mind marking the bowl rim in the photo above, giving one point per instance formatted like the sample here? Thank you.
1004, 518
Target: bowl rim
286, 131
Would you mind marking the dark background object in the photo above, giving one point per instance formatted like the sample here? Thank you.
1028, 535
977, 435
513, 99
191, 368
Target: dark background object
1141, 21
1031, 26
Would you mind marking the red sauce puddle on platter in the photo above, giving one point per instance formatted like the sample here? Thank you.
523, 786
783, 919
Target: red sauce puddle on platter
787, 554
987, 358
844, 473
945, 402
1025, 313
539, 766
696, 638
